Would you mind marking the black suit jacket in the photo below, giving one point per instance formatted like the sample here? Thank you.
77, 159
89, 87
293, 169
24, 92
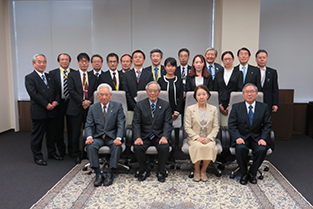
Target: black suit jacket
239, 124
270, 88
131, 86
144, 124
178, 71
41, 96
191, 83
75, 88
106, 78
253, 75
163, 71
234, 84
218, 68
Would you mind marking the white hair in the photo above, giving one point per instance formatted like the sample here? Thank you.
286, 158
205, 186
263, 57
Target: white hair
104, 85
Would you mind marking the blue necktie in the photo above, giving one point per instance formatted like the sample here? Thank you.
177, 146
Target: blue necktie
44, 80
156, 73
250, 114
244, 73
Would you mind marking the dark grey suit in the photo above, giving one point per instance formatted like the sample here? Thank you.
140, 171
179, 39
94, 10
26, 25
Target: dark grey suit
270, 87
144, 124
112, 126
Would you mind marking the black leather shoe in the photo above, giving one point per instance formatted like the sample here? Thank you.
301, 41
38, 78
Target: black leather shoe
161, 177
108, 180
55, 157
99, 180
40, 162
252, 179
78, 160
143, 176
244, 179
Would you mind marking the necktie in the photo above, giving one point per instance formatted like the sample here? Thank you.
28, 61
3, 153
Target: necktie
65, 87
250, 114
152, 135
97, 74
44, 80
138, 75
244, 73
210, 67
183, 77
85, 86
104, 112
114, 80
156, 73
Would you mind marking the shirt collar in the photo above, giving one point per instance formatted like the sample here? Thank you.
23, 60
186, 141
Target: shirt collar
153, 102
247, 106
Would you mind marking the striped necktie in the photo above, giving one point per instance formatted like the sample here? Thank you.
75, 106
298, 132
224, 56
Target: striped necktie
44, 80
65, 87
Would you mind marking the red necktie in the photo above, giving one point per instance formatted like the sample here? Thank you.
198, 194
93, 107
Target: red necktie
114, 80
85, 86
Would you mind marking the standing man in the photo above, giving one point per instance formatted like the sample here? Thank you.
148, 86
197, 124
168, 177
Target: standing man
60, 77
113, 77
183, 70
249, 126
96, 63
126, 62
269, 81
105, 125
44, 98
152, 125
81, 85
136, 79
251, 74
210, 57
157, 70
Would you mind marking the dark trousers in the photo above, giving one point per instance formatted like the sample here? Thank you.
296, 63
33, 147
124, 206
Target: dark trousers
258, 152
40, 128
93, 149
76, 124
62, 107
163, 153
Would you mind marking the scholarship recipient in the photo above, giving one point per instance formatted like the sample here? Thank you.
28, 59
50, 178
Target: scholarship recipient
201, 126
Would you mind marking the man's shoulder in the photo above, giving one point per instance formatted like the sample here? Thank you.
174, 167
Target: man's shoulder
30, 75
271, 69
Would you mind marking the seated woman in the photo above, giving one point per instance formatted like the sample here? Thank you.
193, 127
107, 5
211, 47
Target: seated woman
201, 126
198, 75
173, 85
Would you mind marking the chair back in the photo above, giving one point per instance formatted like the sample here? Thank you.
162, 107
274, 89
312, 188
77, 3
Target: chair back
141, 95
236, 97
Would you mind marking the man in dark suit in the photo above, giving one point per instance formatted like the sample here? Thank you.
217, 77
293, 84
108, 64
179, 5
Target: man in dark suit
152, 125
269, 81
81, 85
96, 63
113, 77
210, 57
249, 126
105, 125
251, 74
157, 70
60, 77
183, 70
126, 62
136, 79
44, 98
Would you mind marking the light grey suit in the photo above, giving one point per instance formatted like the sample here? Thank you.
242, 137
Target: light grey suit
113, 127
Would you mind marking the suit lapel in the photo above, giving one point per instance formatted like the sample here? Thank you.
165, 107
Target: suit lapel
243, 110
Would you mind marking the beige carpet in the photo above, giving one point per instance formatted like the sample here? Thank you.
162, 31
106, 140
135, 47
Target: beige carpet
76, 190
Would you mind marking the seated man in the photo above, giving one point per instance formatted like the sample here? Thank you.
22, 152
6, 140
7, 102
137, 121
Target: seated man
104, 126
152, 125
249, 126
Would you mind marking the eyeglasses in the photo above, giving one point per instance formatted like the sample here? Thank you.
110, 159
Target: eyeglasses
153, 90
111, 62
41, 62
227, 59
249, 92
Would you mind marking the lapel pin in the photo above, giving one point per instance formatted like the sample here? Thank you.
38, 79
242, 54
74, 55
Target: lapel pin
159, 107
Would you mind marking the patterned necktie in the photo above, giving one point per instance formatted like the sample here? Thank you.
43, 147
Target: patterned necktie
210, 71
138, 75
44, 80
97, 75
114, 81
65, 87
85, 86
104, 112
156, 73
244, 73
183, 77
152, 135
183, 73
250, 114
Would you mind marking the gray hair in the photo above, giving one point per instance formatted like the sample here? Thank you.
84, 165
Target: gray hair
153, 82
250, 84
211, 48
156, 50
36, 55
104, 85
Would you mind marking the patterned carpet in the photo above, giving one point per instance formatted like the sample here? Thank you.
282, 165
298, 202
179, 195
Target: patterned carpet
76, 190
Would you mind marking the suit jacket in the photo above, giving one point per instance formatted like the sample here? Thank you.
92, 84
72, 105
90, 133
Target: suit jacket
191, 83
178, 71
218, 68
106, 78
151, 68
253, 75
234, 84
270, 88
131, 86
75, 88
176, 102
113, 125
41, 96
192, 122
55, 74
144, 124
239, 123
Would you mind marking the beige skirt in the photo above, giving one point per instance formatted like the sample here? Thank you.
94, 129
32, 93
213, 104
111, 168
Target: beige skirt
199, 151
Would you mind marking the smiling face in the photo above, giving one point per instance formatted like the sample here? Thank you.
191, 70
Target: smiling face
183, 58
243, 57
153, 92
40, 64
210, 56
64, 61
261, 59
250, 94
126, 63
83, 64
170, 69
104, 95
112, 63
138, 60
228, 61
96, 63
198, 64
202, 96
156, 58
